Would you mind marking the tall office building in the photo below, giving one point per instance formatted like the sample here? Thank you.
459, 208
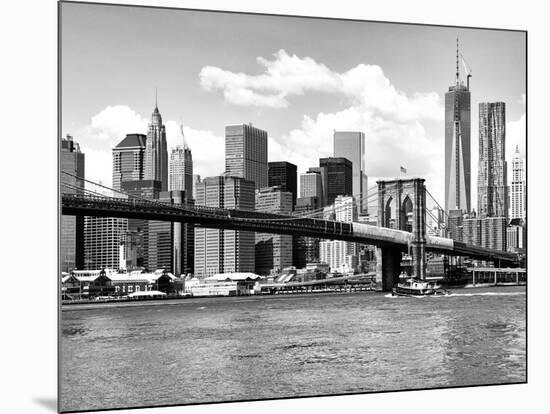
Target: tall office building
180, 168
515, 236
273, 251
284, 175
311, 184
246, 154
72, 227
339, 178
156, 153
351, 145
340, 254
138, 229
305, 249
517, 187
492, 189
180, 174
128, 160
224, 251
457, 144
196, 181
487, 232
168, 245
102, 239
129, 167
471, 231
454, 225
493, 233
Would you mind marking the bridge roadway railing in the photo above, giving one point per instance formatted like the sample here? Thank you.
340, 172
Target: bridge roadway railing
88, 205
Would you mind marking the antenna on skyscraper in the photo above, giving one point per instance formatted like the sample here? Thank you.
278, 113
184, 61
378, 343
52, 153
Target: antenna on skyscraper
156, 96
185, 145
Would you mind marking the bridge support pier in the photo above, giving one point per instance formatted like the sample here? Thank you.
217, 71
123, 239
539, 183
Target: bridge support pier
388, 268
409, 198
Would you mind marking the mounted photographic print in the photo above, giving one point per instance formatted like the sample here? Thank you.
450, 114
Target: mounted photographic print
262, 206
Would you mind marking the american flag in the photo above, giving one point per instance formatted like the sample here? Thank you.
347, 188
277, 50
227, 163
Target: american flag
403, 170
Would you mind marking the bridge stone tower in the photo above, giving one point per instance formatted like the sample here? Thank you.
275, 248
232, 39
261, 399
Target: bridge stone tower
407, 200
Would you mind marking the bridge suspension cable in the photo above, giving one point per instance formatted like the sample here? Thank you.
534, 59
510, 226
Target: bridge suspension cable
308, 214
435, 201
204, 209
323, 210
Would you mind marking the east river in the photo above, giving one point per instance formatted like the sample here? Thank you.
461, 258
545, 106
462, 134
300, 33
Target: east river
243, 348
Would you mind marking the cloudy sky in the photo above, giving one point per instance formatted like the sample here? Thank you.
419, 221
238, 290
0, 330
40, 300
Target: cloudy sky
298, 78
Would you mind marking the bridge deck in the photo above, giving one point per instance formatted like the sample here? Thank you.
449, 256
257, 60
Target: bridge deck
265, 223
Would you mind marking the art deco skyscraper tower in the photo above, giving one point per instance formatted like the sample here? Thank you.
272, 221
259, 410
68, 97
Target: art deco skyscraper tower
518, 187
180, 169
457, 144
156, 153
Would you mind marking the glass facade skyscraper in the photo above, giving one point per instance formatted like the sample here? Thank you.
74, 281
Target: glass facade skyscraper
351, 145
339, 178
457, 146
284, 175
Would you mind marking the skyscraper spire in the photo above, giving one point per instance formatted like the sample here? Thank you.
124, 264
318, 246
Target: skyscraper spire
185, 146
457, 144
156, 153
457, 69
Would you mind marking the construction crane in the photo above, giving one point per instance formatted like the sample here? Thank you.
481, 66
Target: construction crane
467, 70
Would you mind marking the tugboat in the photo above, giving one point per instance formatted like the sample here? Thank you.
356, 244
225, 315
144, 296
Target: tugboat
417, 287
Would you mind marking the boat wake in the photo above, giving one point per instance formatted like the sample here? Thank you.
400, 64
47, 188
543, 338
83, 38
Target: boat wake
488, 294
389, 295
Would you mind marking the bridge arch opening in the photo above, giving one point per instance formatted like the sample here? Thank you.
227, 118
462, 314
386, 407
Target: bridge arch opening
406, 212
388, 221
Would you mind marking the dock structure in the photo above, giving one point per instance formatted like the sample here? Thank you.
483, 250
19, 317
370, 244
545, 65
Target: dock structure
498, 276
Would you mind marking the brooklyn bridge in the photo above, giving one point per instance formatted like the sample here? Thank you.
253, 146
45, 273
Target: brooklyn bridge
409, 232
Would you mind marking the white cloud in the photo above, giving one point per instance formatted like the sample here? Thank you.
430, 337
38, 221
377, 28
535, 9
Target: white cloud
98, 166
390, 143
283, 76
393, 122
208, 149
108, 127
286, 75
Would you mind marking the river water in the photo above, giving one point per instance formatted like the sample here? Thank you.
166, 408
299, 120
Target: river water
222, 349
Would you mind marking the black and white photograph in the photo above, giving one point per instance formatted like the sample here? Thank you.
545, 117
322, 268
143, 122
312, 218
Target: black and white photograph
279, 206
258, 206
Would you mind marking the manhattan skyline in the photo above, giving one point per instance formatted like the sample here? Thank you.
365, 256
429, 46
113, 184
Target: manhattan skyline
298, 79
